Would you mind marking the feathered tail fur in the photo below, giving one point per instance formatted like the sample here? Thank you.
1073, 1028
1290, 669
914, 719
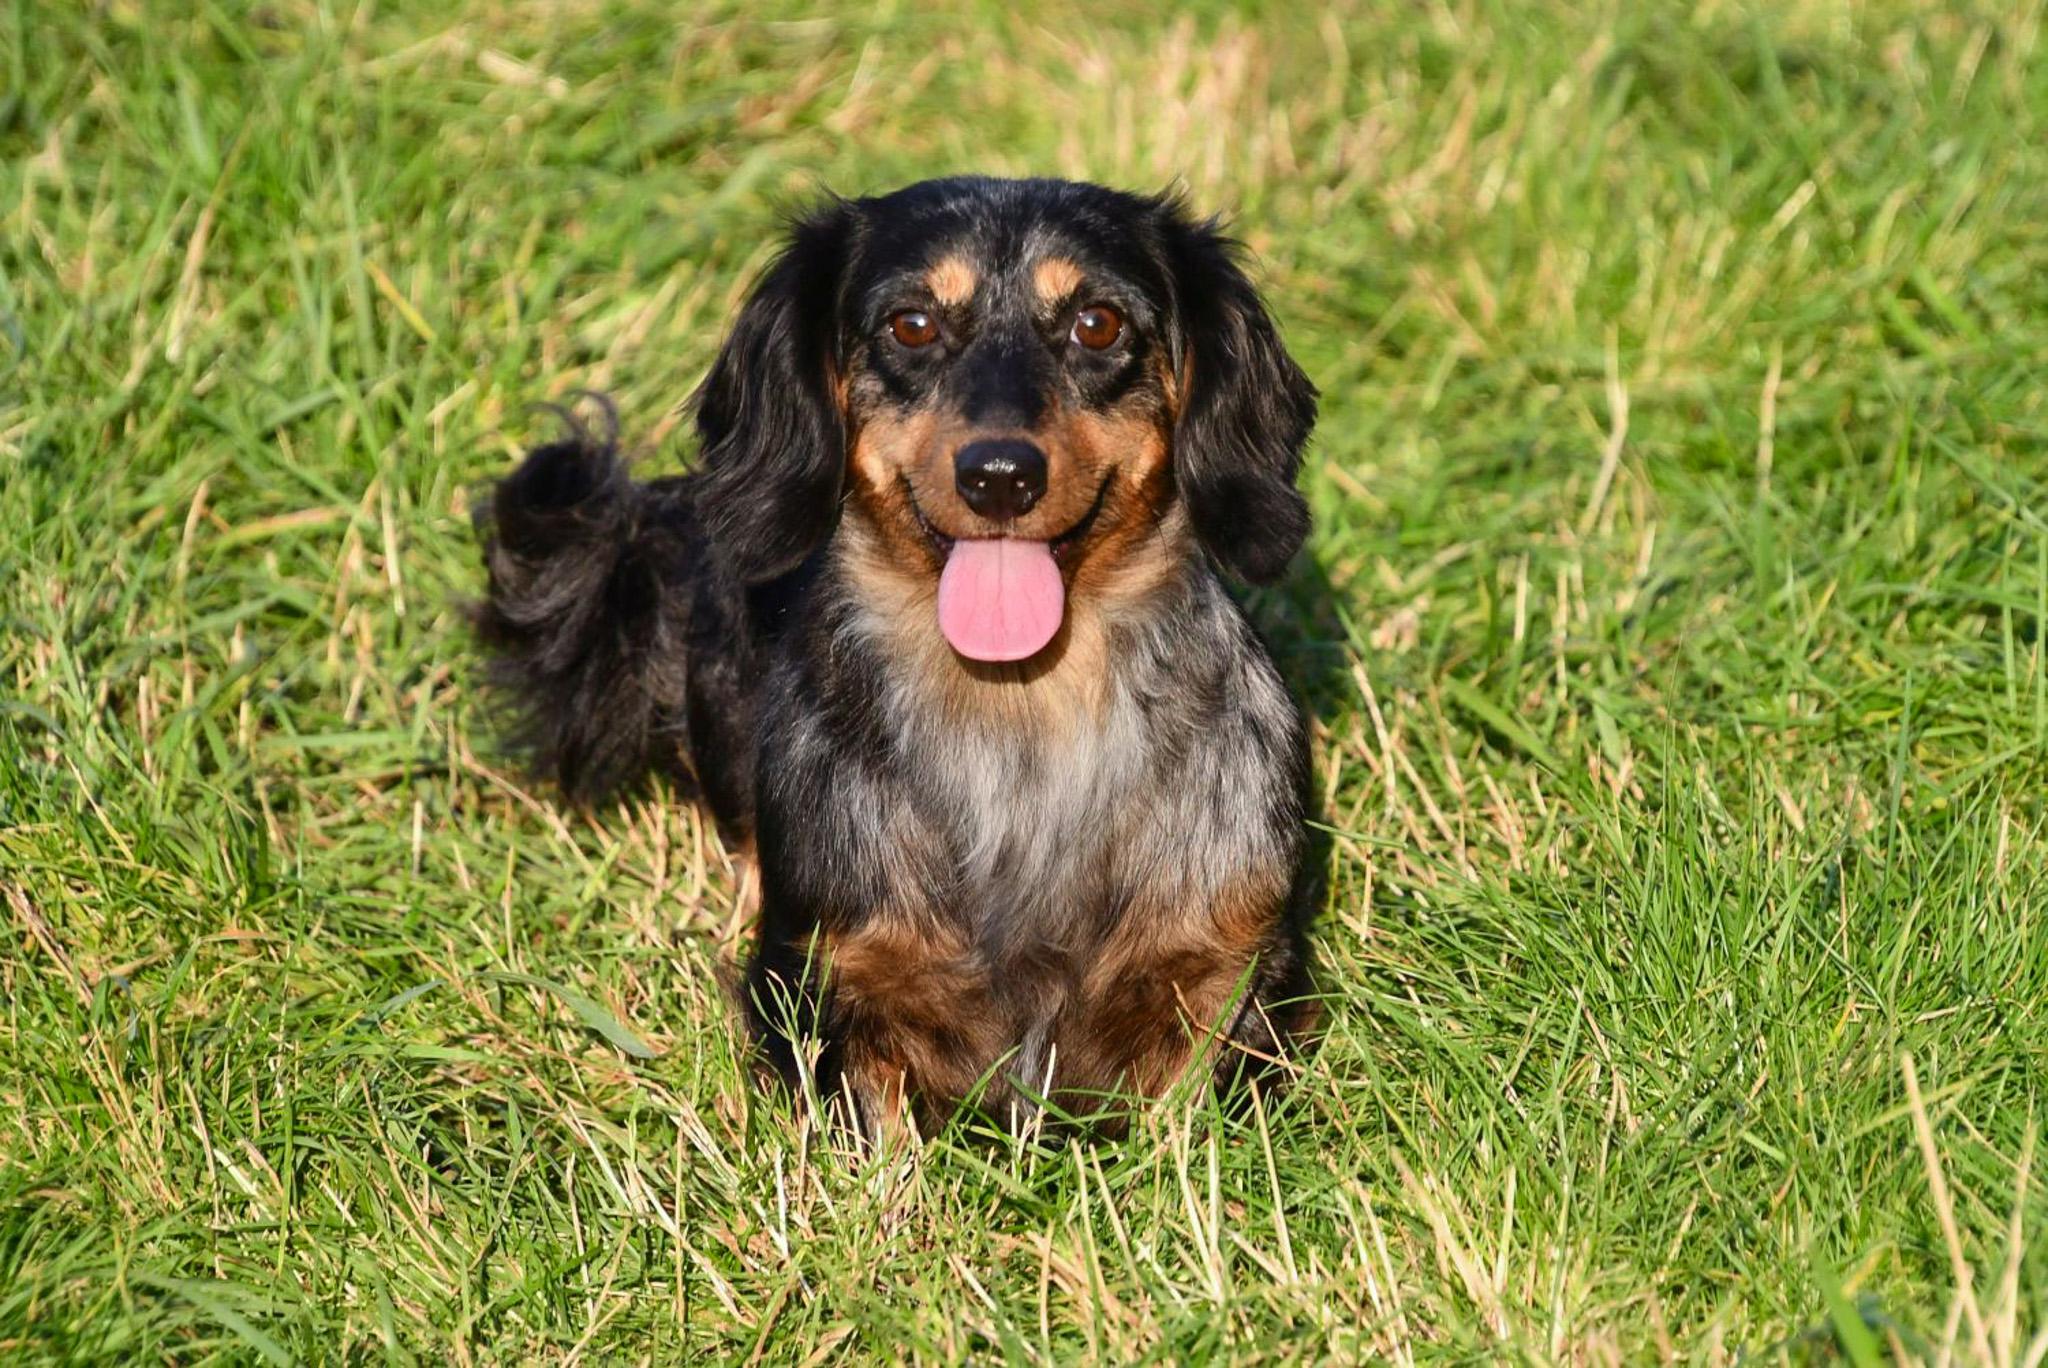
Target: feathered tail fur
587, 612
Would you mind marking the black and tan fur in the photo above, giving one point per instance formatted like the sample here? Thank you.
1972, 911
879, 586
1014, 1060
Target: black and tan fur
1072, 876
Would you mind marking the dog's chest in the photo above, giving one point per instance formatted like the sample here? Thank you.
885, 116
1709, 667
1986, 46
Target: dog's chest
1053, 833
1142, 779
1034, 813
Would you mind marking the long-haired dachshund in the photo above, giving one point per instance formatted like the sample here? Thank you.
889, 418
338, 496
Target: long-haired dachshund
939, 629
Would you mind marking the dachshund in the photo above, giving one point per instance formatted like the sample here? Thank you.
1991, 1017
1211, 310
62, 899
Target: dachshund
938, 630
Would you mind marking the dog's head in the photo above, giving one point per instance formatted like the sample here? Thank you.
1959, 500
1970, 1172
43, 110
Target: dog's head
1015, 386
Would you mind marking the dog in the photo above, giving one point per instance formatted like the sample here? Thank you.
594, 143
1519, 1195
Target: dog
938, 629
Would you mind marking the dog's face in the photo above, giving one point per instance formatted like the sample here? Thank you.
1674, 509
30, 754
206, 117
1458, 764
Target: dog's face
1014, 386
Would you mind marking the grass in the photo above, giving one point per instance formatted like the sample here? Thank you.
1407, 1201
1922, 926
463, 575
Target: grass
1673, 626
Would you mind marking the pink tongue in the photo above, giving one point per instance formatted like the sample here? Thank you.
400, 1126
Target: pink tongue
1000, 599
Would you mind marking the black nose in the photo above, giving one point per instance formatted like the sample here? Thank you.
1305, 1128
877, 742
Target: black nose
1000, 478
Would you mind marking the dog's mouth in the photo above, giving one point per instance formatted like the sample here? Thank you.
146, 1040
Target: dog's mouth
1003, 598
1064, 546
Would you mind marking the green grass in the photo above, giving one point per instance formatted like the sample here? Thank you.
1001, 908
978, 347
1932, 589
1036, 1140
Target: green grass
1674, 626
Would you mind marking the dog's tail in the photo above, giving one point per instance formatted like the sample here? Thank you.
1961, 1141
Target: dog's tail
586, 615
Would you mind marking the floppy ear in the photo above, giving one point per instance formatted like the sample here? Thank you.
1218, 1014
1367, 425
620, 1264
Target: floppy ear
768, 414
1245, 412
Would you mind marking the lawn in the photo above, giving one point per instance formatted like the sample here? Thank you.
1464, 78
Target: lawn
1673, 628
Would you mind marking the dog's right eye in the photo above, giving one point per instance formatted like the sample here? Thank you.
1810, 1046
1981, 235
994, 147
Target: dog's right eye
1098, 327
914, 328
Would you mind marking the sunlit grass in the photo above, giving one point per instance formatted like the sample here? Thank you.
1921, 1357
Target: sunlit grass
1673, 628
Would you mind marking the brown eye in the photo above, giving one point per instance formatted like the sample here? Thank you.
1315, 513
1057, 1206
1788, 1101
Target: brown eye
1097, 326
914, 328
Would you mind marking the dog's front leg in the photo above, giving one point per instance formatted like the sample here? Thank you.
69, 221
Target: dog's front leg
860, 953
891, 1012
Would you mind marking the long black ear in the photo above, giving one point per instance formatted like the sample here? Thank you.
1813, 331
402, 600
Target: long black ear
1246, 409
768, 415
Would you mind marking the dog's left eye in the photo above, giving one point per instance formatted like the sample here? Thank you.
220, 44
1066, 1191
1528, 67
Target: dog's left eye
914, 328
1098, 326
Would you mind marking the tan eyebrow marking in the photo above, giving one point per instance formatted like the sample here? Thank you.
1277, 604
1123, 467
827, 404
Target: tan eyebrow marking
951, 280
1055, 278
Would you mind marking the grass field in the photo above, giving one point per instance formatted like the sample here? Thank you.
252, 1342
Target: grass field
1674, 627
